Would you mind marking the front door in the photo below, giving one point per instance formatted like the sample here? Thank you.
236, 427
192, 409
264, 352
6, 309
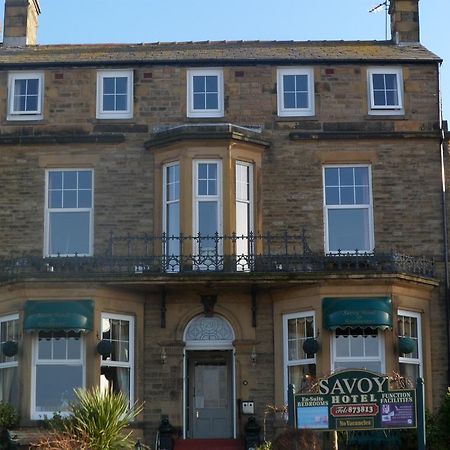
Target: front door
210, 394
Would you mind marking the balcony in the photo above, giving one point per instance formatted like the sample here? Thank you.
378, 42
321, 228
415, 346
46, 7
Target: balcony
174, 256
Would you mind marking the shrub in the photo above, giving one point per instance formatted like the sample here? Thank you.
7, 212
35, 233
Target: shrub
57, 422
438, 426
265, 446
296, 440
8, 416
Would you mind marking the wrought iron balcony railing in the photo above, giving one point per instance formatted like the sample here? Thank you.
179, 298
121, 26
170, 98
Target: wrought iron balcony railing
255, 253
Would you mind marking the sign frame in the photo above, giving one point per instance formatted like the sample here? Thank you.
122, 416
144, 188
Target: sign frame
356, 399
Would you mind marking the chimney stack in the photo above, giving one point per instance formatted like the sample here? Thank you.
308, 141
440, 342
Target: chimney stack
21, 22
404, 20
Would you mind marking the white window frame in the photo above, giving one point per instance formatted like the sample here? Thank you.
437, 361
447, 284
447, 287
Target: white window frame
40, 415
164, 193
12, 361
199, 198
381, 358
368, 206
49, 210
171, 265
248, 201
385, 109
297, 362
128, 113
131, 358
191, 112
284, 111
25, 115
242, 244
414, 361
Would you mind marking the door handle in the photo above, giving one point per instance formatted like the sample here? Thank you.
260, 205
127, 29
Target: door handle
197, 414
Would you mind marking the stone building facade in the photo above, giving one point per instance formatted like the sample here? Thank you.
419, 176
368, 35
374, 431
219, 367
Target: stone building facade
179, 219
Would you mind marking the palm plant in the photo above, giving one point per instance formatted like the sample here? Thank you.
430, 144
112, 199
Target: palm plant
98, 422
101, 416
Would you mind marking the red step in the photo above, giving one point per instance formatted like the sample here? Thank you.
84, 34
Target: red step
208, 444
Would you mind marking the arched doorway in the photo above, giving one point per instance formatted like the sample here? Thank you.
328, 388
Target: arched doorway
209, 382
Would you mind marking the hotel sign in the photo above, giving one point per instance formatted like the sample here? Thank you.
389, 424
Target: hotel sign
356, 400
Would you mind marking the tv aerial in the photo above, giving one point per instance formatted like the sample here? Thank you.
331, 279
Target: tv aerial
380, 8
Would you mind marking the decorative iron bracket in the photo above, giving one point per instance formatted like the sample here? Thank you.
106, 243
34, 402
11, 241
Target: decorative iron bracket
254, 307
163, 308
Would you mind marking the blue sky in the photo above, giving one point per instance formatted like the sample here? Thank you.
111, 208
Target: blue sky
131, 21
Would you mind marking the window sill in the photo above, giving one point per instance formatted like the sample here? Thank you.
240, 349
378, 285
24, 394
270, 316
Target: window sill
386, 115
205, 115
295, 118
113, 118
31, 118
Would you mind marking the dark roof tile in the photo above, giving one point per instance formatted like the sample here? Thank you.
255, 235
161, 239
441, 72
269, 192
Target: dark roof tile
212, 51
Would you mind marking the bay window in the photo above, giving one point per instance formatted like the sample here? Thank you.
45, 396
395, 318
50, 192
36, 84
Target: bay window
171, 215
409, 326
358, 348
207, 213
9, 380
298, 365
244, 211
58, 368
117, 369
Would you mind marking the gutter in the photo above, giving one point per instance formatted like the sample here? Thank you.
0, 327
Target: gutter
207, 62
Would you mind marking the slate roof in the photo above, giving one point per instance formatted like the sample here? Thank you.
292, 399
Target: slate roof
217, 52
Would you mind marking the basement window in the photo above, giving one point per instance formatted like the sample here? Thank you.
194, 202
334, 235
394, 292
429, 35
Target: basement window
25, 96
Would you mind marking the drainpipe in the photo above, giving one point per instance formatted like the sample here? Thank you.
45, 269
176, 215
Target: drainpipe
445, 226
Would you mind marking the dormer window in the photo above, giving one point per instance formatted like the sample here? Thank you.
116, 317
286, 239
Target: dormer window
115, 94
385, 90
25, 95
205, 93
295, 91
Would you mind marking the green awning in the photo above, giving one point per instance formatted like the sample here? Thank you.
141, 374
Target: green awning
373, 312
67, 315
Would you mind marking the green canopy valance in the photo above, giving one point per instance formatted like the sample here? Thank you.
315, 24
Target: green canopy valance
67, 315
345, 312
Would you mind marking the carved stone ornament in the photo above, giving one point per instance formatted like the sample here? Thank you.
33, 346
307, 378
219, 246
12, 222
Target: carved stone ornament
208, 302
